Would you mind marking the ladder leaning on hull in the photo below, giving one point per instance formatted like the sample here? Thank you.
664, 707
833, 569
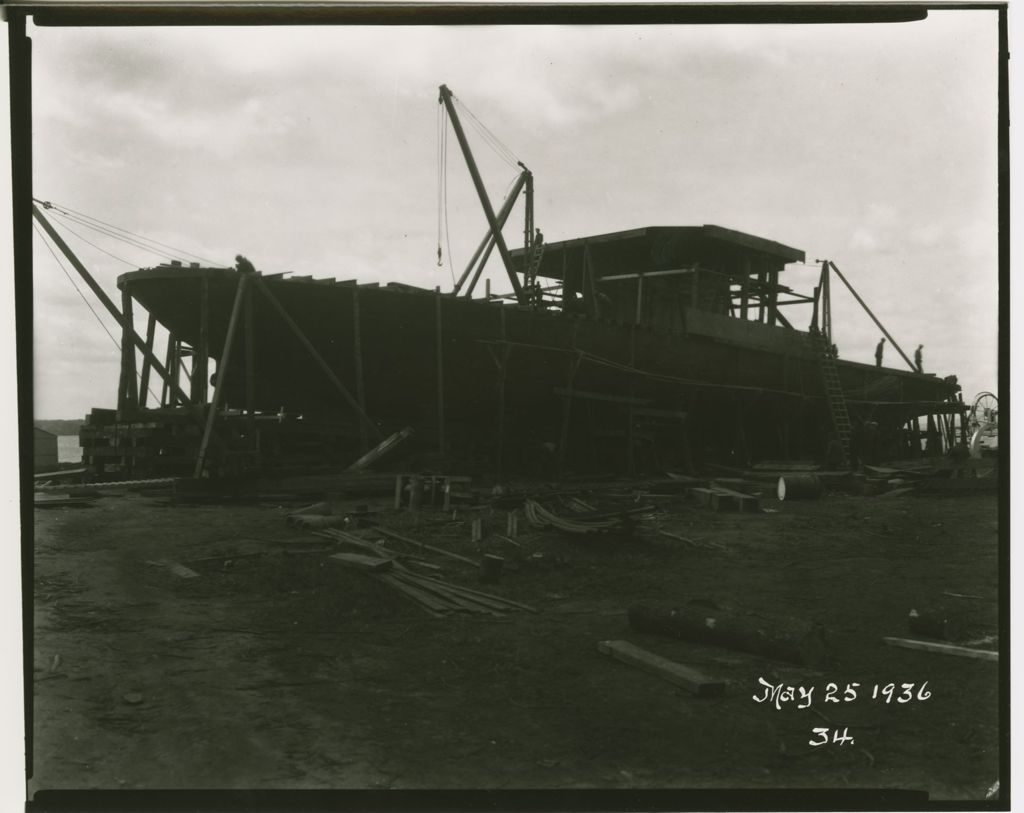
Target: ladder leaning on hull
833, 391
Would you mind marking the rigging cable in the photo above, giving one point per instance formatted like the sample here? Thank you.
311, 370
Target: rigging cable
68, 211
496, 144
65, 219
86, 301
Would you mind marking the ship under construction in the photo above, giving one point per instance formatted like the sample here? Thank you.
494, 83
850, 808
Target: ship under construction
650, 349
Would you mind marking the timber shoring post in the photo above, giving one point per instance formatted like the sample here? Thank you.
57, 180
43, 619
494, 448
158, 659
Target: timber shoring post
323, 365
505, 352
201, 355
574, 364
129, 385
144, 383
222, 374
250, 370
440, 370
881, 327
357, 352
168, 356
630, 461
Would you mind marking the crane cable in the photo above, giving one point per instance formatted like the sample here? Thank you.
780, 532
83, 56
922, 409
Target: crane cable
74, 285
126, 235
442, 189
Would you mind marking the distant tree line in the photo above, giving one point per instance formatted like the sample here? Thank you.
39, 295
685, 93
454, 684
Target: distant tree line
59, 427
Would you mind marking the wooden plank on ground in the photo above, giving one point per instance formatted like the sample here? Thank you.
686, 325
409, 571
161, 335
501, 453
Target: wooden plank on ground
746, 502
393, 535
689, 679
357, 561
944, 649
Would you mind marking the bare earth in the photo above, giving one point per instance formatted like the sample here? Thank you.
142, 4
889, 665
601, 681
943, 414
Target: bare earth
285, 671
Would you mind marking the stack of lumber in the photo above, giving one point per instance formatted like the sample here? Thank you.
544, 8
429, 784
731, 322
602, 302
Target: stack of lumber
438, 598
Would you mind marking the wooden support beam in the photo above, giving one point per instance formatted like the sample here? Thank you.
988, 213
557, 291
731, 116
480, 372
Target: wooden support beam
306, 343
439, 332
506, 351
146, 365
250, 369
574, 365
487, 244
357, 353
874, 319
690, 679
168, 359
639, 298
222, 373
201, 357
127, 396
745, 289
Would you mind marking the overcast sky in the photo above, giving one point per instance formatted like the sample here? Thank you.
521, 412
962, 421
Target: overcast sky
314, 150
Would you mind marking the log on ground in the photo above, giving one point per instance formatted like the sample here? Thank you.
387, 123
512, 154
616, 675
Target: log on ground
792, 642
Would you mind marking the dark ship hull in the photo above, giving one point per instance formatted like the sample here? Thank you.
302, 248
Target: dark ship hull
516, 387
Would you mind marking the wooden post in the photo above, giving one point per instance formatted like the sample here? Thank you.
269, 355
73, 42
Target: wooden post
306, 343
357, 351
745, 289
222, 373
250, 370
144, 385
505, 352
773, 296
639, 297
168, 358
630, 461
201, 354
574, 364
129, 400
440, 370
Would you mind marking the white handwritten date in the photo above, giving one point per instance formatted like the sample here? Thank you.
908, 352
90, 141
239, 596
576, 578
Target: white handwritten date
780, 694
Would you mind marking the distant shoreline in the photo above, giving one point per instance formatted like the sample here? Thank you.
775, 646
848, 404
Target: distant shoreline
60, 427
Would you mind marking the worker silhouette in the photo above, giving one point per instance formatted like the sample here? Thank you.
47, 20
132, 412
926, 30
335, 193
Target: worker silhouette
917, 358
879, 349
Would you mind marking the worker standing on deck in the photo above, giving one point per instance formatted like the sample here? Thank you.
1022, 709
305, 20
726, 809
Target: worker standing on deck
917, 358
878, 352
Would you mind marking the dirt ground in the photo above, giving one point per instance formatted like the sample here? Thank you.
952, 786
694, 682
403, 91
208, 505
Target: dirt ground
282, 670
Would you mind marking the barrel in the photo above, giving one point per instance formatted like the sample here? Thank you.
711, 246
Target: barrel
799, 487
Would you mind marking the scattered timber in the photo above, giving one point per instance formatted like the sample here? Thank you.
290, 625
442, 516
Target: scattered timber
804, 646
416, 543
944, 649
377, 452
690, 679
357, 561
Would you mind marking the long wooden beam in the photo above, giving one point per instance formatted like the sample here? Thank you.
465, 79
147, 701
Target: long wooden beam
323, 365
222, 374
488, 242
874, 318
144, 384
